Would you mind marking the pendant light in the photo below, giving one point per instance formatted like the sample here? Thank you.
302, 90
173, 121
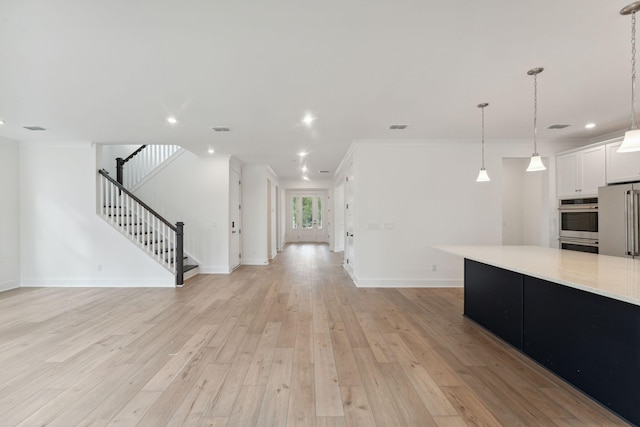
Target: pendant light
483, 176
536, 162
631, 141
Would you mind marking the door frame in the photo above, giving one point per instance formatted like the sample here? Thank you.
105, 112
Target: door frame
293, 235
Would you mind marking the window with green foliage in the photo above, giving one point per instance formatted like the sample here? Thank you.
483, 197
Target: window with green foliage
307, 212
295, 213
319, 212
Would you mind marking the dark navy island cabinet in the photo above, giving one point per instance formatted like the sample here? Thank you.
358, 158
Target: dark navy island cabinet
591, 341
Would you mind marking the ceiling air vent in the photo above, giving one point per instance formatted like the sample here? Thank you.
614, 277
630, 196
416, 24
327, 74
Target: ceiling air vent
34, 128
324, 171
397, 127
558, 126
221, 128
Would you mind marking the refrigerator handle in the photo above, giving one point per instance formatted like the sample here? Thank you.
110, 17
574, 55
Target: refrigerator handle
636, 222
628, 212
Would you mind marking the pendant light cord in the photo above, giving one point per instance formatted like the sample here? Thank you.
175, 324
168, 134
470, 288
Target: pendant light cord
535, 113
482, 137
633, 71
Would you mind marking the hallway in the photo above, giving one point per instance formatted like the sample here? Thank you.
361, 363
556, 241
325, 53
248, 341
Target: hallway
292, 343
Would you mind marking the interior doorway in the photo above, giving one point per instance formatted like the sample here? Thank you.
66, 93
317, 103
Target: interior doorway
306, 214
525, 204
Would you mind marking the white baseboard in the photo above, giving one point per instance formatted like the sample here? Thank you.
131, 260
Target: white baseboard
403, 283
214, 269
255, 261
98, 283
10, 284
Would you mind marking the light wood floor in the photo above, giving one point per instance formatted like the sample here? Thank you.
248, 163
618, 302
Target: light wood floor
294, 343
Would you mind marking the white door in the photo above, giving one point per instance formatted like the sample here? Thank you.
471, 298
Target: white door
349, 249
307, 217
234, 216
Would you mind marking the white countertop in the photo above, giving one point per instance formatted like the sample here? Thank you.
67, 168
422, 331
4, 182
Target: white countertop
613, 277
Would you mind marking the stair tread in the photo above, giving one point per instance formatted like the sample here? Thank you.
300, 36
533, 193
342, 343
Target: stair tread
189, 267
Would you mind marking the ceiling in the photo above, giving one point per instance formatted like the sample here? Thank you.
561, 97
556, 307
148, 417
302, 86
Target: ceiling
113, 71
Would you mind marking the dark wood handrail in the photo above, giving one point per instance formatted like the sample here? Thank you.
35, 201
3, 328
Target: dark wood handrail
120, 164
143, 204
132, 155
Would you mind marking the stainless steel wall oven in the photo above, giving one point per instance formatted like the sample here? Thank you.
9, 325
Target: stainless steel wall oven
579, 224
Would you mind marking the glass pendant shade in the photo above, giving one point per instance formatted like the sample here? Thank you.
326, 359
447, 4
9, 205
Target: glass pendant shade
483, 176
536, 163
631, 141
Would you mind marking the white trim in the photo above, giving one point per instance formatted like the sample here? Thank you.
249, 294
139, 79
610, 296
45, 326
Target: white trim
99, 283
402, 283
213, 269
9, 284
191, 273
255, 261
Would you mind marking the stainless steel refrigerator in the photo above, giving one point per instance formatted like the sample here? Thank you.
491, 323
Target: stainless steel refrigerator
618, 220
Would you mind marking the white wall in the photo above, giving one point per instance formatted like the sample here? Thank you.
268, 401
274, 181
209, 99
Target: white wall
63, 242
255, 249
412, 196
9, 216
195, 190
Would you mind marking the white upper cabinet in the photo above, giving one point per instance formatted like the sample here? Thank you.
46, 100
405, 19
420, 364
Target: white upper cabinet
622, 167
580, 174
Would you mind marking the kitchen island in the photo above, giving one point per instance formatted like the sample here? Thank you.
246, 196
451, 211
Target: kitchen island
575, 313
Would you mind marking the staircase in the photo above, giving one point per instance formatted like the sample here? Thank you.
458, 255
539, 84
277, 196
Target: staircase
146, 228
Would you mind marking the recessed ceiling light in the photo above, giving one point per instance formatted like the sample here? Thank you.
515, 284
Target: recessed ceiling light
34, 128
302, 153
210, 151
304, 169
1, 122
172, 120
306, 178
308, 119
590, 125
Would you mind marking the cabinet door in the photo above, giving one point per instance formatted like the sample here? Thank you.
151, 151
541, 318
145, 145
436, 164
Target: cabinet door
622, 167
592, 171
567, 175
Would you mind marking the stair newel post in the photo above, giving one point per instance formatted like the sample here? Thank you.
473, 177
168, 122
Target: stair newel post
119, 170
179, 254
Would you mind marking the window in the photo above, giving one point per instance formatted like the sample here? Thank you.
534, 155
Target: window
295, 213
307, 212
319, 212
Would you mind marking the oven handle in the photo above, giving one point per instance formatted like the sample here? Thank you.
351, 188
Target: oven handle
583, 242
574, 208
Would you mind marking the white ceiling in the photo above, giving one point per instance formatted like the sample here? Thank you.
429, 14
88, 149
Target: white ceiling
112, 71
